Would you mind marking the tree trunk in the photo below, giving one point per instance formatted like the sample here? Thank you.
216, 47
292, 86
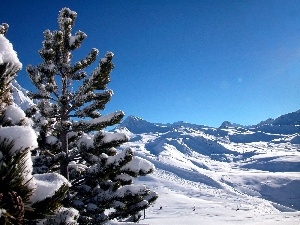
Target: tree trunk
64, 129
64, 163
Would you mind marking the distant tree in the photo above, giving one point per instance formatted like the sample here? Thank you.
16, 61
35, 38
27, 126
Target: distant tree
101, 177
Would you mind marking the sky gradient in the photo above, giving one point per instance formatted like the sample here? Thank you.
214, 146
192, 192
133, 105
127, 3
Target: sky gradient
201, 62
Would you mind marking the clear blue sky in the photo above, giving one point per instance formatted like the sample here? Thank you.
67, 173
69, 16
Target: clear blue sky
197, 61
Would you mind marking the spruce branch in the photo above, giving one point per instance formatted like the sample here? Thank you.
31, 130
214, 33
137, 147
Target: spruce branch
14, 188
4, 28
49, 205
88, 60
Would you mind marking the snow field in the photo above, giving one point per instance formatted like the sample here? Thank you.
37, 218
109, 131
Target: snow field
219, 176
185, 202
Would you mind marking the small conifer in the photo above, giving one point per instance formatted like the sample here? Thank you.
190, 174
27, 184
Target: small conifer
71, 129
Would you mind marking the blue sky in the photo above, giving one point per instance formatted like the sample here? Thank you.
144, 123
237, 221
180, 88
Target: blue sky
196, 61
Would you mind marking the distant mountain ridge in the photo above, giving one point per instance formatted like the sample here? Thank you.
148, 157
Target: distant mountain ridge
139, 125
292, 118
268, 150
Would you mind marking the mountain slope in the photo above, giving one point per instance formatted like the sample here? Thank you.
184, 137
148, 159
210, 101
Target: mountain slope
288, 119
228, 175
260, 162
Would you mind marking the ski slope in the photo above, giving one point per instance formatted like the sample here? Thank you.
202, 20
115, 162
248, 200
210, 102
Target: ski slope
226, 175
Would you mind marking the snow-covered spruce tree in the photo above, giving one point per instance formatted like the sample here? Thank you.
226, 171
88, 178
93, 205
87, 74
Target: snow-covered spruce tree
23, 197
9, 66
107, 181
101, 177
57, 103
14, 190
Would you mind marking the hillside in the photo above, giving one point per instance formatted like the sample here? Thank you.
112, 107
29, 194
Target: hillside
232, 174
254, 170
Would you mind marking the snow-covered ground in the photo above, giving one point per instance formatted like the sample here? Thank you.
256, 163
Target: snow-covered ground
182, 203
228, 175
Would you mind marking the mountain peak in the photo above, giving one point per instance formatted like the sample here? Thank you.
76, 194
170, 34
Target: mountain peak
138, 125
132, 118
292, 118
227, 124
133, 121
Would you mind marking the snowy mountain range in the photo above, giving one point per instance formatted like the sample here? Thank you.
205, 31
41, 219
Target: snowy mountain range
255, 167
232, 174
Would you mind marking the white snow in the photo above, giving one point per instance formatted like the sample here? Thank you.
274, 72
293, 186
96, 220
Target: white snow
77, 36
104, 118
139, 164
72, 40
204, 175
66, 16
116, 158
22, 136
130, 189
51, 140
20, 97
14, 113
64, 215
46, 185
77, 166
109, 54
109, 137
124, 177
86, 140
7, 53
104, 60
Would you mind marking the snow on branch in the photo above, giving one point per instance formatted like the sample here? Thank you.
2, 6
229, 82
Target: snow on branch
66, 19
75, 41
100, 75
138, 166
99, 123
101, 98
3, 28
131, 190
46, 185
108, 140
121, 159
22, 136
64, 216
109, 117
86, 140
14, 114
88, 60
110, 137
7, 53
108, 56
